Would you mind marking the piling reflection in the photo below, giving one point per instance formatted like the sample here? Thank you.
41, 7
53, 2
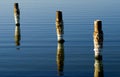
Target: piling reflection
17, 34
60, 58
98, 67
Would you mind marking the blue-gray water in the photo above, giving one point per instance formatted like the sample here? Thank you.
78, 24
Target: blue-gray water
37, 54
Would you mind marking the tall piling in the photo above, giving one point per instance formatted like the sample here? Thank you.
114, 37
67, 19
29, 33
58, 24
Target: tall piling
16, 13
60, 58
59, 26
98, 45
98, 37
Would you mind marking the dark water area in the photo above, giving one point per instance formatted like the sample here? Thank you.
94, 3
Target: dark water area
38, 52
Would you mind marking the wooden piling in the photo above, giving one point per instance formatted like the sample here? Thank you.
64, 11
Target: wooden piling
60, 58
16, 13
59, 26
17, 35
98, 45
98, 67
98, 37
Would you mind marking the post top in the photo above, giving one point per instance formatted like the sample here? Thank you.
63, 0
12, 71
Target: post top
97, 25
16, 5
58, 11
58, 16
97, 20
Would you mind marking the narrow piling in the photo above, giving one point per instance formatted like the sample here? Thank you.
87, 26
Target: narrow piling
59, 26
16, 13
98, 45
60, 58
98, 37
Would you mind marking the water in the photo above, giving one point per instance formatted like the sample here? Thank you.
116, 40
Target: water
36, 56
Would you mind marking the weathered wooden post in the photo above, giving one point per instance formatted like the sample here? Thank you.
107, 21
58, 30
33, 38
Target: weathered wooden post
98, 45
98, 37
98, 67
17, 22
60, 58
17, 34
16, 13
59, 26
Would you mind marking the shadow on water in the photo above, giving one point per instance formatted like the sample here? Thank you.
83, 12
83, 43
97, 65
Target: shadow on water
60, 59
17, 35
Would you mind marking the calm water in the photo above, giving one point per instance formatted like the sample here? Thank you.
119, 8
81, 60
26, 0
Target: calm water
36, 56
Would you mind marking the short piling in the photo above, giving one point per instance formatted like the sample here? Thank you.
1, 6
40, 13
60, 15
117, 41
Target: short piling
59, 26
17, 35
16, 13
60, 58
98, 37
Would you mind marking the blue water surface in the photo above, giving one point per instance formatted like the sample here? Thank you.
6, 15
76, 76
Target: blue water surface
36, 56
